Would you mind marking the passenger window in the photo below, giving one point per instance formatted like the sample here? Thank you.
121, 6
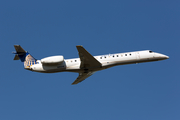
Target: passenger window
125, 54
117, 55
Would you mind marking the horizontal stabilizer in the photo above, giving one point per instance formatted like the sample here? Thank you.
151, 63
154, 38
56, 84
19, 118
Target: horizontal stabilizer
16, 57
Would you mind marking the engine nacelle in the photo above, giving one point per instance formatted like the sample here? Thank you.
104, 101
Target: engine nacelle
53, 60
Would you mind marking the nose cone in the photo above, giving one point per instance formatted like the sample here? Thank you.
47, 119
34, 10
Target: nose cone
167, 57
161, 56
164, 56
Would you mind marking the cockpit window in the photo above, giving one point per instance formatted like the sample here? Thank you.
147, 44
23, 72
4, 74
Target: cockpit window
151, 51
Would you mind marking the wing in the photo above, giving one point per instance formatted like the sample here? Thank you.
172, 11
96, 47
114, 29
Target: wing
82, 76
87, 60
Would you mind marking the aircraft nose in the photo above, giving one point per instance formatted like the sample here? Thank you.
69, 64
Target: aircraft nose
167, 57
162, 56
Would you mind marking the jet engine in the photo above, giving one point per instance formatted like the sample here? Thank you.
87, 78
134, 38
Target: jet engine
53, 60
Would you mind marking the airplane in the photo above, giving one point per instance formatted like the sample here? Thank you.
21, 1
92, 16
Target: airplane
86, 65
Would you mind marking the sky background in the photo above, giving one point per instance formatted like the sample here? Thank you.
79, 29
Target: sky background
146, 91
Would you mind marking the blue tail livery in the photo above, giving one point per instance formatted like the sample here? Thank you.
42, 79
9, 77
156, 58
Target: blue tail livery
24, 56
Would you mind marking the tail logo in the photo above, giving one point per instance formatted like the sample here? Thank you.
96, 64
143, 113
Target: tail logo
29, 61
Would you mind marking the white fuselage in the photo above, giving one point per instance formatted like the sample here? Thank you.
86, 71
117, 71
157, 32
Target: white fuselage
110, 60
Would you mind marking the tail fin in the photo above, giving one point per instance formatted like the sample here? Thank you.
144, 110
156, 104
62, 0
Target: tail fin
24, 56
20, 53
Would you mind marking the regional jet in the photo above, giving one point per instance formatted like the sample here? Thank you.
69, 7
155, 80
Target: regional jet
86, 64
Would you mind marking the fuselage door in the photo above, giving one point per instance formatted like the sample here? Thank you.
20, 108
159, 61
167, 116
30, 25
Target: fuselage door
137, 56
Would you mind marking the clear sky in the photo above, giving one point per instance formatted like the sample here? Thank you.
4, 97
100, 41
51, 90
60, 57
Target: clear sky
146, 91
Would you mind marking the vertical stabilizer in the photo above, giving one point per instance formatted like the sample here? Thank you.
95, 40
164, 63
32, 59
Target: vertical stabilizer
29, 61
19, 49
24, 56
